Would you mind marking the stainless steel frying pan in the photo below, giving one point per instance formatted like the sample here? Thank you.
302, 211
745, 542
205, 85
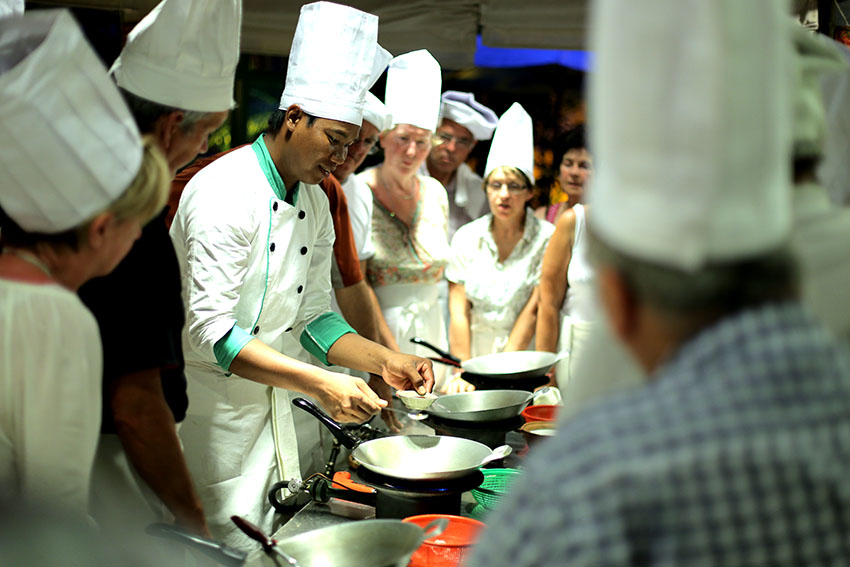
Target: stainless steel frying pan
409, 457
481, 405
500, 365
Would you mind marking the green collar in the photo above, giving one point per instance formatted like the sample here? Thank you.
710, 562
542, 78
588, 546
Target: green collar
271, 173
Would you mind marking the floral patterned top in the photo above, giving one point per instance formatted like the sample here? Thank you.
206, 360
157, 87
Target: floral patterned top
415, 255
498, 290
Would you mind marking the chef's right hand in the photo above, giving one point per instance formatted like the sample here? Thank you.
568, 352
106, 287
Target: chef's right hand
346, 398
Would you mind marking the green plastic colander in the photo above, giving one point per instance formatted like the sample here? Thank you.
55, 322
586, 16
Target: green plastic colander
496, 484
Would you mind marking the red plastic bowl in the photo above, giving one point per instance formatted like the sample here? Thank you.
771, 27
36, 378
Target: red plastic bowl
450, 548
540, 413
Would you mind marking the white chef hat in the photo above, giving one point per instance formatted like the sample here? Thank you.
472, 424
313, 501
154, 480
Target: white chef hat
375, 112
11, 8
513, 143
465, 110
334, 61
183, 54
814, 55
413, 90
68, 143
691, 125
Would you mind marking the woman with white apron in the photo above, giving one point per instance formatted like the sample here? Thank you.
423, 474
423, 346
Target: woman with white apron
567, 305
411, 211
495, 262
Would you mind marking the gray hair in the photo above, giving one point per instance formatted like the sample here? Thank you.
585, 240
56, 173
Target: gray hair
690, 301
147, 112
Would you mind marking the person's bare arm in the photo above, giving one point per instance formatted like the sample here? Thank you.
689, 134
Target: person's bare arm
553, 282
145, 426
355, 302
523, 329
460, 336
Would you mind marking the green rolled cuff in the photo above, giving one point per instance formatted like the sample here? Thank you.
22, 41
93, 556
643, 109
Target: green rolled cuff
227, 347
320, 334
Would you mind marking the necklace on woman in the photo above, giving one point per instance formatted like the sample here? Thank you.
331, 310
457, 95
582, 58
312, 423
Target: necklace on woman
31, 259
400, 193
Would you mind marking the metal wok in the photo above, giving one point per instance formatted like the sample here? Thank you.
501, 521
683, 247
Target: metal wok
500, 365
480, 406
409, 457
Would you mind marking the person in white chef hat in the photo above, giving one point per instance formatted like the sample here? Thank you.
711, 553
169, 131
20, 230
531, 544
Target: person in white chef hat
253, 234
410, 217
176, 73
495, 262
463, 123
78, 184
737, 440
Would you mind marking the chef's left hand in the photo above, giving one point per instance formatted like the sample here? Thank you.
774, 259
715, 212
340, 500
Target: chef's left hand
408, 372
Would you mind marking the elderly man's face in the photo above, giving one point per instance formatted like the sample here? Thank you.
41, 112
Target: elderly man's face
358, 151
453, 143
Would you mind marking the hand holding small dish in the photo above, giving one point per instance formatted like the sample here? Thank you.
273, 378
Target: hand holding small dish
415, 401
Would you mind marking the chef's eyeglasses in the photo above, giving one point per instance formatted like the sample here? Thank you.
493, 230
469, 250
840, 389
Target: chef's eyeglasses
441, 138
513, 188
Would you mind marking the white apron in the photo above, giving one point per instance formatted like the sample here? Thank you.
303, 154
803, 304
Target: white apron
412, 310
238, 435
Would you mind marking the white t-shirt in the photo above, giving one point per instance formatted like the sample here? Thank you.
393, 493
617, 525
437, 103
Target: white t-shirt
50, 394
359, 198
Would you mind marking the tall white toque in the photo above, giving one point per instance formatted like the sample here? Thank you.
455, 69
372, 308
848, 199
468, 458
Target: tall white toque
465, 110
11, 8
414, 83
375, 112
183, 54
513, 143
691, 127
334, 61
68, 143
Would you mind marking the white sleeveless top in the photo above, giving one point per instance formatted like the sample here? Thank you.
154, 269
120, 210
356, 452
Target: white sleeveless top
579, 302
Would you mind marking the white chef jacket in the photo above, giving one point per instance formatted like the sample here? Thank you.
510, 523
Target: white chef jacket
258, 266
821, 242
50, 379
467, 200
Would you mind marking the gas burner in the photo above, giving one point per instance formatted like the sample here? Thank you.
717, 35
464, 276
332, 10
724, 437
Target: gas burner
489, 383
421, 488
490, 433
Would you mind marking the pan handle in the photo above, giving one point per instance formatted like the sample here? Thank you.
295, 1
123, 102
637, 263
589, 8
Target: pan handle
441, 352
217, 551
343, 436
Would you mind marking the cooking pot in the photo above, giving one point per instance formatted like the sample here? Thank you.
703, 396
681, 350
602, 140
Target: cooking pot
409, 457
522, 364
480, 406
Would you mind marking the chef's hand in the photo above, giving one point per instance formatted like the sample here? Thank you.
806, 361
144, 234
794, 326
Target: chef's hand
408, 372
456, 385
346, 398
385, 393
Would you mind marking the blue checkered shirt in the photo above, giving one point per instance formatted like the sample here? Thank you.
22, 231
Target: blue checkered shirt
736, 453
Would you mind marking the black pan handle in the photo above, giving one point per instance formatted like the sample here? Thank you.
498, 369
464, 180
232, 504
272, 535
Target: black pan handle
441, 352
217, 551
343, 436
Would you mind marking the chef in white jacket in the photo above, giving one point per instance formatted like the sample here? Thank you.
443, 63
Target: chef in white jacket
254, 236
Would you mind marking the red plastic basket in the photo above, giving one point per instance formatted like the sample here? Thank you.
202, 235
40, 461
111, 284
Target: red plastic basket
540, 413
449, 548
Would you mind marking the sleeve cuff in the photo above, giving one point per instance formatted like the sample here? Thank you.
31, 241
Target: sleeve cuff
227, 347
321, 333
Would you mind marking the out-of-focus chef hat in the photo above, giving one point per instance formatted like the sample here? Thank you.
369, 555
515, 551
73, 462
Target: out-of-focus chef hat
413, 90
183, 54
691, 126
11, 8
513, 143
814, 56
68, 143
334, 61
375, 112
465, 110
